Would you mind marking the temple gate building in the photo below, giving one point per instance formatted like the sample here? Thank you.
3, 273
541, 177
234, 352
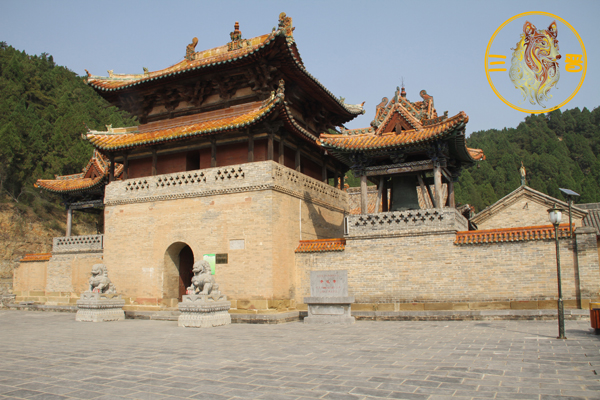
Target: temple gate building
236, 161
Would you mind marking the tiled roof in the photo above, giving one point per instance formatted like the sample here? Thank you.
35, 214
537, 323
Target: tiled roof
69, 185
401, 124
543, 232
393, 140
476, 154
248, 50
181, 128
94, 175
36, 257
593, 217
203, 124
203, 59
319, 245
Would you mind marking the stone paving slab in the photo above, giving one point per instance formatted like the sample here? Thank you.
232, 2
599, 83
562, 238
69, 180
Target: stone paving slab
50, 356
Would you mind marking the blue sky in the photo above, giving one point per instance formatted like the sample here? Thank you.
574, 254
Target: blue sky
359, 50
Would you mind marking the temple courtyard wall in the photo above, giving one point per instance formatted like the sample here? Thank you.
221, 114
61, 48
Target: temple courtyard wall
405, 261
258, 213
254, 213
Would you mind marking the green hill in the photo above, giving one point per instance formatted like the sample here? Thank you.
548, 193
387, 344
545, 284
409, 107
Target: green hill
43, 109
559, 150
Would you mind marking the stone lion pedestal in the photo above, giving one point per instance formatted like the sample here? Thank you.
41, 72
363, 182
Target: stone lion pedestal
98, 307
201, 311
101, 302
204, 306
329, 302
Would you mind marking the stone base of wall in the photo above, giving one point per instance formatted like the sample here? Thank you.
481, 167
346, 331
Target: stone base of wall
47, 298
245, 306
471, 315
466, 306
291, 316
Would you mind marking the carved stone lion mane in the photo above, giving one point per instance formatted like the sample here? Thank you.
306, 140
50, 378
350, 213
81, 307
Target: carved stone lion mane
99, 281
202, 282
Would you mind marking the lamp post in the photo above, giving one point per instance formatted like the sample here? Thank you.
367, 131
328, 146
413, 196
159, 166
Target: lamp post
571, 195
555, 215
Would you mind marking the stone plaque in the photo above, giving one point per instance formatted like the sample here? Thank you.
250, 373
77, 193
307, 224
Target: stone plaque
329, 283
237, 244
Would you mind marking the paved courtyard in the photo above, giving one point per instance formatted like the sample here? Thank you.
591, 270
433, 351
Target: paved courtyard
49, 356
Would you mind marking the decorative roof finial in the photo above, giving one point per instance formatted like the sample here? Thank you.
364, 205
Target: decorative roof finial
285, 24
281, 88
191, 49
236, 34
236, 39
403, 92
426, 98
523, 173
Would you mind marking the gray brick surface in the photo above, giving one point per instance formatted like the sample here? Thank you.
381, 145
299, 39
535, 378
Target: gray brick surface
146, 360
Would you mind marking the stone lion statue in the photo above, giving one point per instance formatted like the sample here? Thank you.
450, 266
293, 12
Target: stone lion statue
99, 281
202, 282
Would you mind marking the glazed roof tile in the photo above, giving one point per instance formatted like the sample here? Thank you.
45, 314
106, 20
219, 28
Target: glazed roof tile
400, 124
321, 245
204, 124
521, 234
221, 56
69, 185
94, 175
30, 257
476, 154
391, 140
593, 217
203, 59
207, 123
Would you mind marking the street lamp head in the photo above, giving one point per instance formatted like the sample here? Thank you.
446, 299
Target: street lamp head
555, 215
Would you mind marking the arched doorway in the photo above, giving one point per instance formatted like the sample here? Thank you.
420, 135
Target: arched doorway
177, 273
186, 262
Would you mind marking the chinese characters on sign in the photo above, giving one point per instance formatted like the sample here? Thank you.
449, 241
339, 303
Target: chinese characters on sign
329, 283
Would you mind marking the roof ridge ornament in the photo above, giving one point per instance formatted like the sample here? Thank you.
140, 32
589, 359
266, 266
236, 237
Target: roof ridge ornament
236, 39
191, 49
285, 25
281, 88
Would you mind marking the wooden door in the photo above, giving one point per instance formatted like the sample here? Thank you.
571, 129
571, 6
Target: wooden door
186, 262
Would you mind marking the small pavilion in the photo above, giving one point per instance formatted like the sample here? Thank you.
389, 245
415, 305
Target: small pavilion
84, 191
407, 146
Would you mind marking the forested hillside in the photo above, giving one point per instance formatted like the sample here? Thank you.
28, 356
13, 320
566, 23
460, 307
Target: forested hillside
559, 149
43, 108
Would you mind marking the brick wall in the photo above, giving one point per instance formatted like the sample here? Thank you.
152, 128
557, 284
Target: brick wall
264, 204
427, 267
30, 276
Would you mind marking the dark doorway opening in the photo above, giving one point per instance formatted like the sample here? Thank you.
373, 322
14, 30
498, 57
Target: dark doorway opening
186, 262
